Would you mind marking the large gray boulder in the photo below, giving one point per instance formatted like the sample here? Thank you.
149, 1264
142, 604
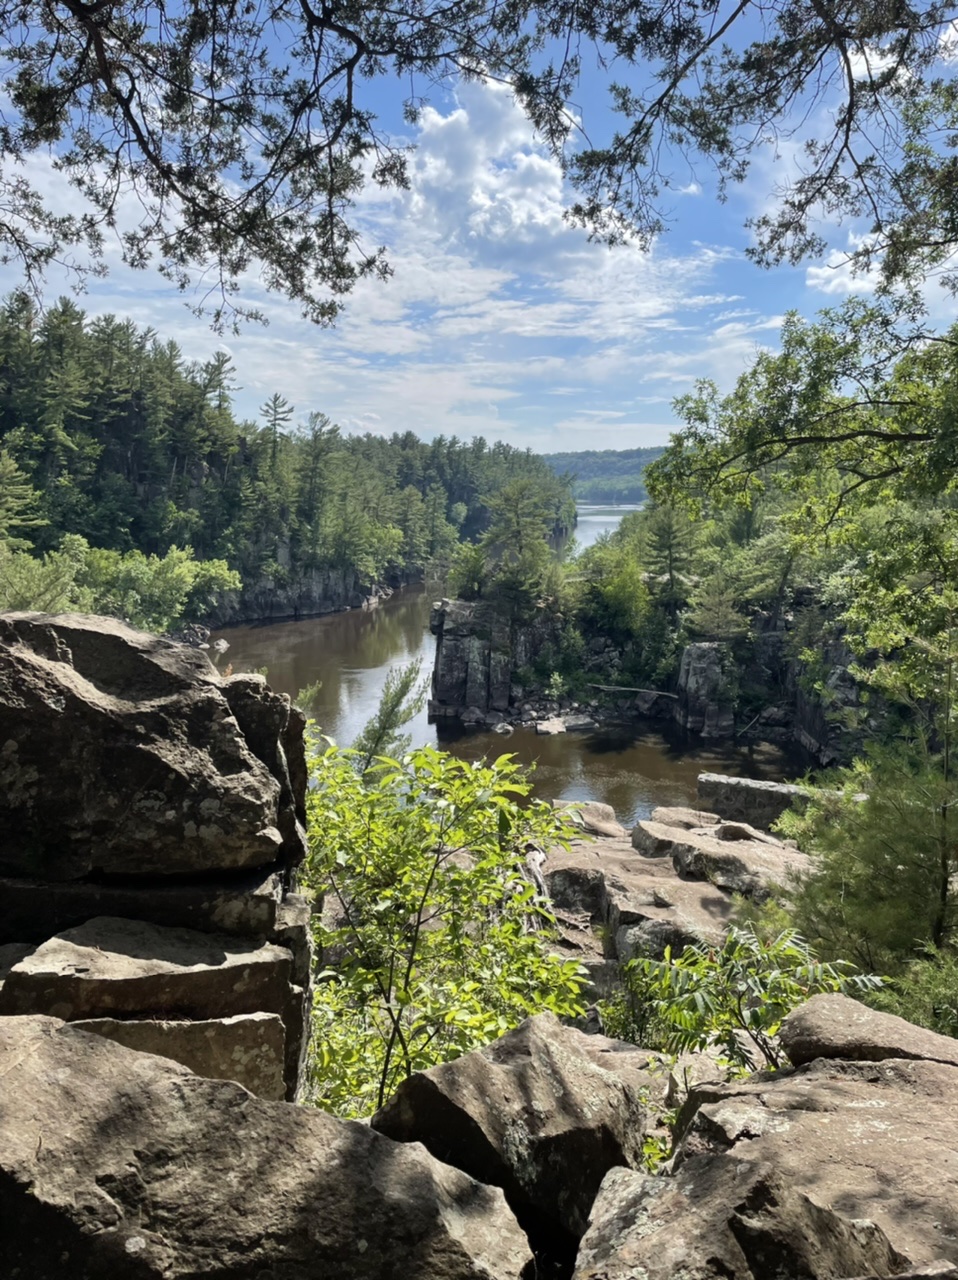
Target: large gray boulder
119, 1164
837, 1168
724, 1219
750, 867
835, 1026
592, 816
730, 855
533, 1114
157, 765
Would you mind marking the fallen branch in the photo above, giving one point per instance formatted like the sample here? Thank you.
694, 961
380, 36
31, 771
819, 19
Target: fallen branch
621, 688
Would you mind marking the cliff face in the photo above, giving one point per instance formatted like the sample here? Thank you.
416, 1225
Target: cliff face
478, 652
704, 703
302, 595
152, 822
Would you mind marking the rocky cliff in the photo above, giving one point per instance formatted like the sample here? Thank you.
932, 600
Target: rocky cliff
152, 822
302, 595
480, 656
478, 652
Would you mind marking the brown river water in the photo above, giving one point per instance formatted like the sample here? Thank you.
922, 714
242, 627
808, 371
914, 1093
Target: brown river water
631, 768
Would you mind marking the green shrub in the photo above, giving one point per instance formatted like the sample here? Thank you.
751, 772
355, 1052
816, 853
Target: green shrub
439, 938
732, 997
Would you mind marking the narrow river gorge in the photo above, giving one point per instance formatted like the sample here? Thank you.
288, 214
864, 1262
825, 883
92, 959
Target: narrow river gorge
632, 768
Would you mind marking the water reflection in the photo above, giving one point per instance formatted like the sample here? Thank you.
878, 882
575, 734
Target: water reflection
350, 652
632, 769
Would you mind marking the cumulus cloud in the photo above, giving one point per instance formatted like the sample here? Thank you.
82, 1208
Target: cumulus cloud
498, 314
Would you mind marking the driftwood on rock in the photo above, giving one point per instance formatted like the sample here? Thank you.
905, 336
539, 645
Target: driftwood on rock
621, 688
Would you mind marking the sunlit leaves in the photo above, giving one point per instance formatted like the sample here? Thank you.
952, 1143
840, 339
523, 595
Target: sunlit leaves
436, 939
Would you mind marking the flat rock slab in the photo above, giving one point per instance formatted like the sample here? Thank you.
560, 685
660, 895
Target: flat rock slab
550, 726
731, 856
747, 799
688, 819
654, 839
530, 1113
111, 966
640, 903
835, 1169
130, 1166
125, 754
249, 1048
835, 1026
748, 867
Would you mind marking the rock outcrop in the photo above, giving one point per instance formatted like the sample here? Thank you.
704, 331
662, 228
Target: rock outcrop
123, 754
478, 651
670, 884
533, 1114
704, 704
306, 594
151, 824
120, 1164
842, 1167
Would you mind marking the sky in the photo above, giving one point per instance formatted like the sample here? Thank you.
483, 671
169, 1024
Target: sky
500, 319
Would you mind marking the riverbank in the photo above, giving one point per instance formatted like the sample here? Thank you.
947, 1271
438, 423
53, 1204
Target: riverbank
632, 766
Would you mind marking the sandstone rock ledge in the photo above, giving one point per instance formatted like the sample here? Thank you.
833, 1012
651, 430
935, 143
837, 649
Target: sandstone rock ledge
117, 1165
121, 1164
838, 1168
151, 824
670, 884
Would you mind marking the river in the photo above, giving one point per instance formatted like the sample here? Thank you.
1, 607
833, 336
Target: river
633, 769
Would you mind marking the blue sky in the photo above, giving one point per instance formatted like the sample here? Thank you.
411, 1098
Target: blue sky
500, 320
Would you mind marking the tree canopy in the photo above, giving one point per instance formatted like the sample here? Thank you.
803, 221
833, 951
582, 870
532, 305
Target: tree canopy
241, 134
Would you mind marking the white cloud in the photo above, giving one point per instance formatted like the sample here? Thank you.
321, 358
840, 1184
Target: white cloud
498, 311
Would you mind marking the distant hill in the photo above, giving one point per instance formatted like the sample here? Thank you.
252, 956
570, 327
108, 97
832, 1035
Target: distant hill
606, 475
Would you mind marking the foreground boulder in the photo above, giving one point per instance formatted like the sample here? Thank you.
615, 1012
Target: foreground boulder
838, 1168
533, 1114
119, 1164
834, 1026
720, 1221
151, 826
157, 765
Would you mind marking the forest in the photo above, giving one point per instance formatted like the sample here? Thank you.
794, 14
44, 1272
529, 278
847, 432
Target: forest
127, 484
605, 475
806, 525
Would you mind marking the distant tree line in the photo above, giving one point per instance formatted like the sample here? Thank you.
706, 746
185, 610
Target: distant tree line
605, 475
109, 435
